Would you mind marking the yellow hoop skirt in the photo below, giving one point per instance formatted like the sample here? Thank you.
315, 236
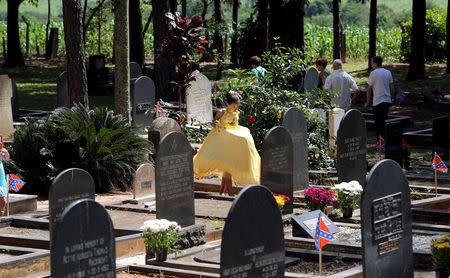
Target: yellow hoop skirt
229, 148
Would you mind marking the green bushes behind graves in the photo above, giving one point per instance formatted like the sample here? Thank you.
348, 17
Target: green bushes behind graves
264, 102
95, 140
435, 36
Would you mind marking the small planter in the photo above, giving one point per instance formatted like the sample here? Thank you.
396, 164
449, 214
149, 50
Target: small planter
347, 212
442, 274
161, 256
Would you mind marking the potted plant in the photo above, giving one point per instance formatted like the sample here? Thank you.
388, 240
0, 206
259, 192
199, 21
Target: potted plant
319, 198
440, 249
348, 195
160, 237
281, 200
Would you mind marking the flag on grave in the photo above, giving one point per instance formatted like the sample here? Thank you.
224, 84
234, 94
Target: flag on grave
438, 164
323, 234
15, 183
381, 145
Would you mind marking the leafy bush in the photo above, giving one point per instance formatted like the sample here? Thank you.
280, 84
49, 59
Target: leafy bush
319, 198
440, 249
96, 140
435, 33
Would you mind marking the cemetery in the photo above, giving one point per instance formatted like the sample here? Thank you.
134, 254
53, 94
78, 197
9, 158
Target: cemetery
193, 139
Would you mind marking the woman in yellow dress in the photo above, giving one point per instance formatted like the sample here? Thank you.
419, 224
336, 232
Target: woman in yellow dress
228, 150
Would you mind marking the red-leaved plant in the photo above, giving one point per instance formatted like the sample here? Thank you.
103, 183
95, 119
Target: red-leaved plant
319, 198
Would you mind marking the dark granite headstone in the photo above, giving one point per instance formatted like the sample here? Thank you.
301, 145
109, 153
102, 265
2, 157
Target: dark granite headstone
386, 223
62, 91
304, 225
159, 128
135, 70
175, 180
294, 121
351, 148
83, 244
97, 63
252, 239
393, 140
441, 143
69, 186
277, 161
142, 99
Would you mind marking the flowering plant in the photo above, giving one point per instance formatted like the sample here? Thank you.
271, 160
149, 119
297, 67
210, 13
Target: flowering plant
348, 193
160, 235
440, 249
319, 198
281, 200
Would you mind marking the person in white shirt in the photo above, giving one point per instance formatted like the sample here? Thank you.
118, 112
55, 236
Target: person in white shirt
380, 85
340, 83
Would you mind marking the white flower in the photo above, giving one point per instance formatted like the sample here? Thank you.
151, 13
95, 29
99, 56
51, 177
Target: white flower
159, 225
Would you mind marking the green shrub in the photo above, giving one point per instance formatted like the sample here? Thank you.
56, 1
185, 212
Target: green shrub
96, 140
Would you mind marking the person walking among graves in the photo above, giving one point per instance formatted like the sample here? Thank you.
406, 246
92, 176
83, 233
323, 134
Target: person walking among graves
380, 85
228, 150
340, 83
4, 188
257, 69
321, 65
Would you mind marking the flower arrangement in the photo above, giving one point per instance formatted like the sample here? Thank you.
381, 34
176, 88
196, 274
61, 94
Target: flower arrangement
440, 249
281, 200
348, 194
160, 236
319, 198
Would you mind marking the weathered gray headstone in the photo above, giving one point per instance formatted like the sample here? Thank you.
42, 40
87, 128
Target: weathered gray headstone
175, 180
386, 224
62, 91
83, 244
160, 127
352, 148
304, 225
69, 186
252, 239
294, 121
310, 82
277, 162
135, 70
144, 182
6, 119
143, 99
198, 100
441, 143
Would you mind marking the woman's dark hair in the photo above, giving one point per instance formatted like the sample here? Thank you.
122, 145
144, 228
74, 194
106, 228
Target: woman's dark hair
232, 97
321, 62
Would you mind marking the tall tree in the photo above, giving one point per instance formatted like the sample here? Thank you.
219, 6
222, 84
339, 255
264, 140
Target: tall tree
336, 30
448, 37
14, 57
372, 31
276, 25
234, 39
75, 55
417, 59
164, 70
263, 25
137, 53
183, 8
294, 32
218, 39
122, 58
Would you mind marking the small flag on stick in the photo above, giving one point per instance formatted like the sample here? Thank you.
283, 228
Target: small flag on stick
321, 238
15, 183
438, 165
381, 145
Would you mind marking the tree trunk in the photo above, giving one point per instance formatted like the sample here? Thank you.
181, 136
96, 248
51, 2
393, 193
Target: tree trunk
173, 6
372, 32
136, 39
183, 8
234, 39
336, 33
164, 70
14, 56
75, 55
263, 26
218, 39
276, 25
448, 37
47, 26
122, 59
417, 59
294, 33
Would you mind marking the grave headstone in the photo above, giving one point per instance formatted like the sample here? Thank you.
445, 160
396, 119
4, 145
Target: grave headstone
277, 162
351, 148
304, 225
144, 182
294, 121
334, 120
311, 81
386, 224
135, 70
84, 243
441, 143
252, 239
159, 128
6, 119
143, 99
198, 100
62, 91
393, 142
97, 63
69, 186
175, 180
